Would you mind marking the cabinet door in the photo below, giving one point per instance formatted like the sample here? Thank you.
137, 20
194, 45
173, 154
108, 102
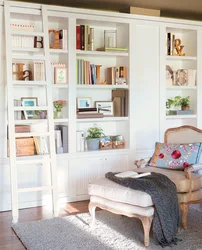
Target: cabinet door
81, 173
145, 85
115, 163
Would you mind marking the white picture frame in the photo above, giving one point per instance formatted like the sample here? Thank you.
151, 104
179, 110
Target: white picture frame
84, 102
105, 107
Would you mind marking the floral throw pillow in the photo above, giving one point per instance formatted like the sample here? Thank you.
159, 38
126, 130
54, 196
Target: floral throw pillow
175, 156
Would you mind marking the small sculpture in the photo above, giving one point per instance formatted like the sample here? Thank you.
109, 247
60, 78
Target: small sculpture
179, 47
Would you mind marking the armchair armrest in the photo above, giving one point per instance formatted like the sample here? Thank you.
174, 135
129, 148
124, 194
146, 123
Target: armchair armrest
192, 168
139, 163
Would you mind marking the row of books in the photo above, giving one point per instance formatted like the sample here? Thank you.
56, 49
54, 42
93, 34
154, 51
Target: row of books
41, 145
28, 71
61, 139
84, 37
58, 39
86, 72
170, 44
117, 75
22, 41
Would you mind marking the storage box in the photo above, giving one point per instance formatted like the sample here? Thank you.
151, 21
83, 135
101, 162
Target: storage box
24, 147
117, 141
145, 12
106, 143
118, 144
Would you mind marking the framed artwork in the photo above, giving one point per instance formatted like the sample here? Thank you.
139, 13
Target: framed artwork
181, 77
60, 75
84, 102
104, 107
29, 102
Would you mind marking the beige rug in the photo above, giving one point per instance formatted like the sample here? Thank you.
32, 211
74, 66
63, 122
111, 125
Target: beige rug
110, 232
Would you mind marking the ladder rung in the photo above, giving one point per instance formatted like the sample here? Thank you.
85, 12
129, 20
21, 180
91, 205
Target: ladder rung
31, 121
29, 83
40, 160
33, 189
26, 33
31, 134
20, 108
28, 57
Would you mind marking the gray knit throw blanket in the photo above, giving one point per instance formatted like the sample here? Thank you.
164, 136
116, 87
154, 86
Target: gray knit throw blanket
164, 196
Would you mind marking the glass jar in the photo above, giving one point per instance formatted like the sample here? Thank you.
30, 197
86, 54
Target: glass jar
110, 38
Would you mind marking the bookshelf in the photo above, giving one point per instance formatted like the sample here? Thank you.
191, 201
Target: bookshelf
182, 78
145, 64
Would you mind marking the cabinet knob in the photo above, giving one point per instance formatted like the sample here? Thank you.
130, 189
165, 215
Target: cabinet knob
105, 158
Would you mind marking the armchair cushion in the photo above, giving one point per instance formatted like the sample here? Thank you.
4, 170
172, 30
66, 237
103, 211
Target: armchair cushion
178, 177
175, 156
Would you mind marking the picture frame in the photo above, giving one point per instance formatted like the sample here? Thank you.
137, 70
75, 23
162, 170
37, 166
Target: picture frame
84, 102
60, 75
105, 107
29, 102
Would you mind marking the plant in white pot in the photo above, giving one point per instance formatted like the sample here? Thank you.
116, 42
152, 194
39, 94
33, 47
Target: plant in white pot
93, 138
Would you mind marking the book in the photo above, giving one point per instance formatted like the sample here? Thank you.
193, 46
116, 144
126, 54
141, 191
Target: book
132, 174
180, 112
85, 116
80, 141
113, 49
64, 137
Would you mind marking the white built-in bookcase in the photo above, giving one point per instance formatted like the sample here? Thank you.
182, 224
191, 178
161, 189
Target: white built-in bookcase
146, 60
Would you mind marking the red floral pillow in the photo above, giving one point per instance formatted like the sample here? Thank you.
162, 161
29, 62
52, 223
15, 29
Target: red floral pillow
175, 156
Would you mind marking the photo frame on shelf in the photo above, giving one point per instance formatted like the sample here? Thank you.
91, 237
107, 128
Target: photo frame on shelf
181, 78
29, 102
60, 75
84, 102
105, 107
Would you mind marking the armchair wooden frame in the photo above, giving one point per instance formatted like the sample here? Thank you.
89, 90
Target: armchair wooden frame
197, 133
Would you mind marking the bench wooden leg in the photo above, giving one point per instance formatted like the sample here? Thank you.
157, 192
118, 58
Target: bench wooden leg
146, 222
184, 208
91, 209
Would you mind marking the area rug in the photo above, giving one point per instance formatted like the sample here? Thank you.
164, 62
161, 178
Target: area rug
109, 232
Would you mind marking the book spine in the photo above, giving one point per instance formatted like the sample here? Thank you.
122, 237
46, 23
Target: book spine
168, 43
82, 37
78, 37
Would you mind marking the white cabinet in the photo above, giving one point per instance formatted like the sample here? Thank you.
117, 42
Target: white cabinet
85, 170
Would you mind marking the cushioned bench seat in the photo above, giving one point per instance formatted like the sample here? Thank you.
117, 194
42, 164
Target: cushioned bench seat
118, 199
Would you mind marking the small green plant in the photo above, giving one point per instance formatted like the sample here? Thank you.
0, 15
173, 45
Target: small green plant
174, 102
94, 132
185, 102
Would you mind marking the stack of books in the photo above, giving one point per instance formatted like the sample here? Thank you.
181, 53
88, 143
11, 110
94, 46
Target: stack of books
120, 100
83, 113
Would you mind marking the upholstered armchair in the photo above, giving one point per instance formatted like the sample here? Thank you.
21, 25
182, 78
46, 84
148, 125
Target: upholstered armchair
189, 181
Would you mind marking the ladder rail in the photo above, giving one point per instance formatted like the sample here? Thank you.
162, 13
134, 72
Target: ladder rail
11, 121
11, 128
50, 111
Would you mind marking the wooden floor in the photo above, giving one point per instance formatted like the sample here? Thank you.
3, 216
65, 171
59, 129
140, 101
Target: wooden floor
9, 240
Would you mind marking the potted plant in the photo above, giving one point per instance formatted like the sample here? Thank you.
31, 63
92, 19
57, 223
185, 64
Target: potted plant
41, 113
58, 105
185, 103
175, 103
93, 138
